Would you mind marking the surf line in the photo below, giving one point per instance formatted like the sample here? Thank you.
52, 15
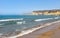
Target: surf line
34, 29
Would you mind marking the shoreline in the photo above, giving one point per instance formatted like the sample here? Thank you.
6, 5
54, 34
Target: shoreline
26, 32
30, 31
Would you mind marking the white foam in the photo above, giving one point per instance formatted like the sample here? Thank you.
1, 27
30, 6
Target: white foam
43, 19
23, 22
10, 19
46, 19
25, 32
56, 17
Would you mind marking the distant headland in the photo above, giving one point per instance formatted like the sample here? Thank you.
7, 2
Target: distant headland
47, 12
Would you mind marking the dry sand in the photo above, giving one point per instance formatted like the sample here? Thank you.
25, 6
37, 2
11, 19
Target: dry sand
51, 34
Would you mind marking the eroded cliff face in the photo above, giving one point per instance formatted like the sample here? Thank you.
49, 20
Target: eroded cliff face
46, 12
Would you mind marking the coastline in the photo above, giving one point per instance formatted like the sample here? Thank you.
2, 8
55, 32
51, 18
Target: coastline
36, 32
35, 29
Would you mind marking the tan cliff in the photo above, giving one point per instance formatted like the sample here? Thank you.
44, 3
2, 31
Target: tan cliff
47, 12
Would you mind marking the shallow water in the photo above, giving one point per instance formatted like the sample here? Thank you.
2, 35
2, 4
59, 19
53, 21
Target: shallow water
28, 21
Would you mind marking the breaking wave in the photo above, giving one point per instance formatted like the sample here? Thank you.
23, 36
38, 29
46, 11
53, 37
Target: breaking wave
10, 19
46, 19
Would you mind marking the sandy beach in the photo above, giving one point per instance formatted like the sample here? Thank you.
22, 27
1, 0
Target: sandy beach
51, 31
51, 34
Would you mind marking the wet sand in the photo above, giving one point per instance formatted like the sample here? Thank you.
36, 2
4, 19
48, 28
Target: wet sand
52, 31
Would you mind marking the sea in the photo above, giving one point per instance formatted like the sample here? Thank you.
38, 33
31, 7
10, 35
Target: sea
12, 23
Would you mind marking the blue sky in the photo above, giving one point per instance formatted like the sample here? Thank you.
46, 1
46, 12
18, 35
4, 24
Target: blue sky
25, 6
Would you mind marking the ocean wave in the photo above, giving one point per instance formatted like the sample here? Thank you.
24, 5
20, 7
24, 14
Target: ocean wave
25, 32
46, 19
10, 19
43, 19
22, 22
56, 17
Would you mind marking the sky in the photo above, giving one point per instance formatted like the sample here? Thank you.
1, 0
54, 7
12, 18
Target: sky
17, 7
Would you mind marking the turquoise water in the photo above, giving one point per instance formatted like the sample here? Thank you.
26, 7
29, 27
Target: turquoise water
21, 22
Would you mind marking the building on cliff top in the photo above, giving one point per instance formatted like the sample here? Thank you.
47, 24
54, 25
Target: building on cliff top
46, 12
